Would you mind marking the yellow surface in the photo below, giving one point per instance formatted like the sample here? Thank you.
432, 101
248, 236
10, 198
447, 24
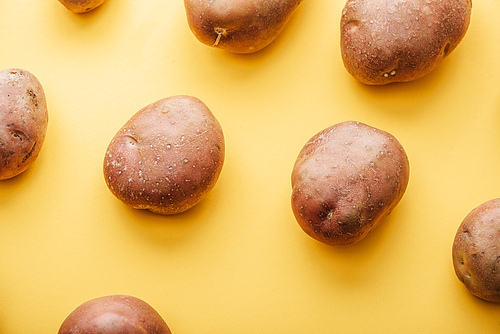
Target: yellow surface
238, 262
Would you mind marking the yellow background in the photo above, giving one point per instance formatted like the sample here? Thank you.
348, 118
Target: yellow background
238, 262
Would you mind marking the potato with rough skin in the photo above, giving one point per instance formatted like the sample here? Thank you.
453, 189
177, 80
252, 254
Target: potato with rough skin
167, 157
346, 180
23, 121
81, 6
476, 251
400, 40
115, 314
238, 26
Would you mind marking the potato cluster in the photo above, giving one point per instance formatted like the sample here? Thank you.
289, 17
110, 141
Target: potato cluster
346, 179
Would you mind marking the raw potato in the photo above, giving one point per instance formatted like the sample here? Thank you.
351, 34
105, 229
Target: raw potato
167, 157
239, 26
23, 121
400, 40
81, 6
116, 314
346, 180
476, 251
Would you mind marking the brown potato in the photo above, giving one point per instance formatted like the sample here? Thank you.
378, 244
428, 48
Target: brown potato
476, 251
239, 26
167, 157
81, 6
116, 314
23, 121
400, 40
346, 180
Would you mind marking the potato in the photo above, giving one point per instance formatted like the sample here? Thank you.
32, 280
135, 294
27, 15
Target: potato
239, 26
476, 251
23, 121
346, 180
167, 157
115, 314
400, 40
81, 6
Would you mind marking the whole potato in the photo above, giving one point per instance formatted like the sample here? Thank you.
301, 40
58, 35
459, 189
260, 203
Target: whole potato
346, 180
476, 251
239, 26
115, 314
23, 121
81, 6
167, 157
400, 40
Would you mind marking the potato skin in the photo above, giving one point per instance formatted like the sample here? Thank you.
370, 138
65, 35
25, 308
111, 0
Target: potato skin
115, 314
23, 121
238, 26
476, 251
400, 40
81, 6
167, 157
346, 180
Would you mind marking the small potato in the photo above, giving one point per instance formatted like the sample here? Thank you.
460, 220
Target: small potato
400, 40
81, 6
116, 314
346, 180
167, 157
238, 26
23, 121
476, 251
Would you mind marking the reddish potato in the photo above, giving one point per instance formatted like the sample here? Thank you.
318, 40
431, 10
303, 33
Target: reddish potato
400, 40
117, 314
81, 6
346, 180
167, 157
239, 26
476, 251
23, 121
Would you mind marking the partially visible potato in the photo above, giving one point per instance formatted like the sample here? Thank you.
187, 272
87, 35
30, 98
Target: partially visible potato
400, 40
115, 314
81, 6
239, 26
346, 180
23, 121
476, 251
167, 157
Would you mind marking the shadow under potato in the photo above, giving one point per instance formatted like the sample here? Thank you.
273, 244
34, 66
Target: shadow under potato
9, 188
355, 264
169, 228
